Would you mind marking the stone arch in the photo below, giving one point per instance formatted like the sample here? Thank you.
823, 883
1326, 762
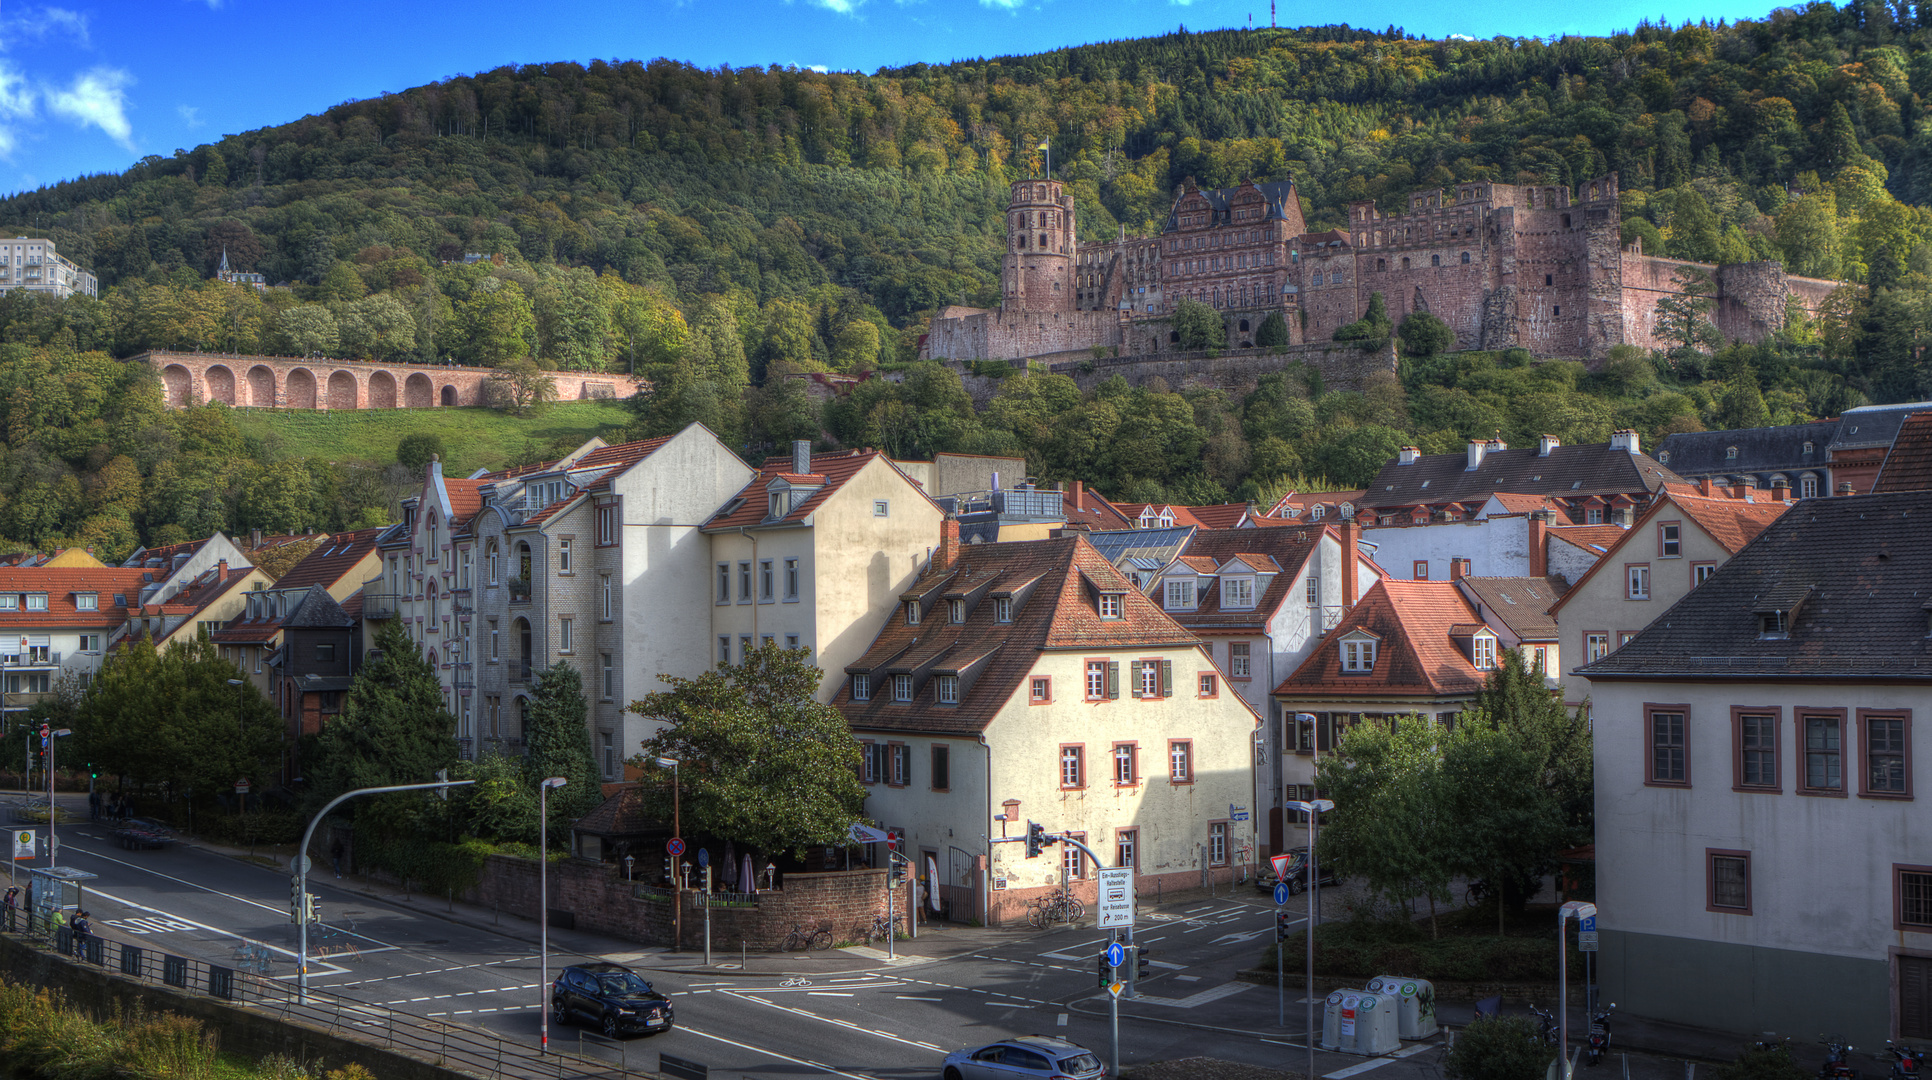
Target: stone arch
261, 386
342, 391
301, 389
177, 384
382, 390
220, 383
417, 392
520, 630
449, 396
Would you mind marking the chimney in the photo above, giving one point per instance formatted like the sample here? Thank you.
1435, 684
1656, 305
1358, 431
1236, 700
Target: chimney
1456, 569
1080, 496
1745, 485
1708, 486
1547, 443
801, 456
1625, 440
1781, 489
1539, 544
1350, 532
1845, 488
1497, 443
1408, 455
948, 551
221, 570
1477, 448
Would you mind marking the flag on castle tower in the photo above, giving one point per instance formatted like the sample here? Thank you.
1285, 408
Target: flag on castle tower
1042, 146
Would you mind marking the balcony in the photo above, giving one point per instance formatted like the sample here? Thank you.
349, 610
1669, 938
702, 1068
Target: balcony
1328, 617
37, 658
519, 670
380, 605
461, 606
1016, 502
519, 590
463, 675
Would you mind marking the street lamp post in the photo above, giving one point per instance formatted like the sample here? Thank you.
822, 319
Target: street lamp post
1582, 911
543, 902
52, 849
1314, 808
677, 832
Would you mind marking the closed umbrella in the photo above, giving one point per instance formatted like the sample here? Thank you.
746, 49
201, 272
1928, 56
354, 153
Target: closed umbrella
745, 875
730, 869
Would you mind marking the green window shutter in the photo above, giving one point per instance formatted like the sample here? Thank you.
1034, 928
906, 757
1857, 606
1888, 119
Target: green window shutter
1113, 679
1167, 678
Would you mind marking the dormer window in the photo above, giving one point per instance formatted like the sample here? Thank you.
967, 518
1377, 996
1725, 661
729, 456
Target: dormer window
1180, 594
9, 602
902, 688
946, 689
1237, 592
1166, 520
861, 688
87, 601
1315, 512
1110, 605
1358, 656
1663, 456
1003, 609
912, 613
37, 601
1483, 652
1730, 453
956, 611
1777, 608
775, 505
1808, 446
1774, 625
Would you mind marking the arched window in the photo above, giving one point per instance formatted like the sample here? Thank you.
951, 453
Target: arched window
1244, 325
1405, 262
1465, 256
1435, 260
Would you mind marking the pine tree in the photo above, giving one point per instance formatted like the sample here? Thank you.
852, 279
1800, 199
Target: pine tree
1273, 332
557, 741
393, 729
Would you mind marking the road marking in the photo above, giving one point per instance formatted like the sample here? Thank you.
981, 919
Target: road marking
774, 1053
1165, 964
1357, 1070
835, 1022
1192, 910
1060, 1021
906, 997
1187, 978
1200, 997
1233, 939
1060, 956
825, 993
1151, 940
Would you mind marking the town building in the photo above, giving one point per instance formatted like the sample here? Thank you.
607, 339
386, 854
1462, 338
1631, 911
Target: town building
1756, 786
58, 622
1535, 266
1588, 484
812, 554
205, 604
1680, 541
34, 264
170, 567
313, 669
1032, 682
1518, 610
1792, 456
229, 276
340, 566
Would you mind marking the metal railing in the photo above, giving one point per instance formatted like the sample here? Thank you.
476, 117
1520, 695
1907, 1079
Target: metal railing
253, 981
379, 605
463, 677
1017, 502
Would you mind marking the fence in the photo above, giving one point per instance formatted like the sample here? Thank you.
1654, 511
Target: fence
248, 983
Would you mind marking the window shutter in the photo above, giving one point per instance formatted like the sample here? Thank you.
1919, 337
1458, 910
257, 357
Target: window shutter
1167, 678
1113, 679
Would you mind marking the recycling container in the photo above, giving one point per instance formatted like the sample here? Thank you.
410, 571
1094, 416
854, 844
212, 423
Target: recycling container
1415, 1004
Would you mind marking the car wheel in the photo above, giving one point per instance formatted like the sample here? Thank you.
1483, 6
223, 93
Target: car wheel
610, 1027
558, 1014
952, 1073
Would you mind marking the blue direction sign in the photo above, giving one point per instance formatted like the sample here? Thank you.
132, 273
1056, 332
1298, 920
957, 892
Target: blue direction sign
704, 856
1281, 893
1116, 954
1588, 925
1237, 813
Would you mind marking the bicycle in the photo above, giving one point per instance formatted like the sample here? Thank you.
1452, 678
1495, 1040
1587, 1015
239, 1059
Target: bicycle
1478, 893
1059, 906
880, 927
801, 940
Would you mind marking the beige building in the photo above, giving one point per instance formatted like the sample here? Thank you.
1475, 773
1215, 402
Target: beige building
33, 264
1032, 681
813, 553
1680, 540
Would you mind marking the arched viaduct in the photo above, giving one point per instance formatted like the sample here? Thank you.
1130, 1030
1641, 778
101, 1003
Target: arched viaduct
279, 382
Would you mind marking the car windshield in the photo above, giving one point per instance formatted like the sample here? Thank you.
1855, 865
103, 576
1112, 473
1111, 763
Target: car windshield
1080, 1063
622, 983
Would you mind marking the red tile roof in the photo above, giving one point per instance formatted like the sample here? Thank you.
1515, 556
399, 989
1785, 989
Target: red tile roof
1518, 503
1417, 656
1052, 584
836, 468
1181, 514
335, 557
1095, 512
1598, 538
1219, 516
1285, 551
61, 584
1908, 464
465, 499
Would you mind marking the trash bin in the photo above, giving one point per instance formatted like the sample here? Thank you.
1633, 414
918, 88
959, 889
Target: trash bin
1415, 1004
1332, 1020
1375, 1025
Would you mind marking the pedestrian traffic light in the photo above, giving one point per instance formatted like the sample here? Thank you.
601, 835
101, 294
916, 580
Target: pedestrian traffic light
1140, 962
311, 911
1035, 839
294, 899
1281, 925
1103, 971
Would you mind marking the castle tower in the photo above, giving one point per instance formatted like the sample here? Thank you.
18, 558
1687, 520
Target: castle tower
1040, 248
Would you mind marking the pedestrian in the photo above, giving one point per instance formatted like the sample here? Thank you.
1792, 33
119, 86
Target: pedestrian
335, 856
93, 806
83, 926
12, 907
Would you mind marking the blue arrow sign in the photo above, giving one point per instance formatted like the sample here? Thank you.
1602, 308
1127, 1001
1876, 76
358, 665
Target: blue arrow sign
1281, 893
1116, 955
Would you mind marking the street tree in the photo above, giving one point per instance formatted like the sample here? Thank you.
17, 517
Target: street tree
762, 760
557, 741
518, 386
1389, 827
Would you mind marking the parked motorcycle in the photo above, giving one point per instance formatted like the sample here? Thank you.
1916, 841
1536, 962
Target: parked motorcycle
1905, 1061
1546, 1025
1599, 1042
1837, 1064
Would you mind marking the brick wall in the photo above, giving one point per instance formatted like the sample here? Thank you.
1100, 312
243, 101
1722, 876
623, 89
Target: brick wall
604, 903
1342, 367
281, 382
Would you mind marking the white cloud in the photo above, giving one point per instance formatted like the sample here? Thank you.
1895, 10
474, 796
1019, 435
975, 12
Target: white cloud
98, 99
16, 104
820, 68
1003, 5
1461, 37
842, 7
35, 25
190, 115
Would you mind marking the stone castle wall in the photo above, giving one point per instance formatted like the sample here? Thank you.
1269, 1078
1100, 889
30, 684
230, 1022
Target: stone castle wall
1342, 367
282, 382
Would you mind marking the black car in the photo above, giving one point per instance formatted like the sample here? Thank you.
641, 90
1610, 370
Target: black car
612, 996
1297, 875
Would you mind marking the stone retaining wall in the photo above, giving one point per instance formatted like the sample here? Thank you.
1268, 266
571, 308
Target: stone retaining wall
286, 382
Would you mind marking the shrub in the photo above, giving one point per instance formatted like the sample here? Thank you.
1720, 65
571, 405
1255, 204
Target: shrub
1498, 1048
1423, 334
416, 450
1761, 1063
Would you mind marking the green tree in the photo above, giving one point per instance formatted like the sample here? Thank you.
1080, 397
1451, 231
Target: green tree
1694, 229
1372, 330
494, 324
557, 739
1681, 316
377, 327
309, 330
1273, 332
1423, 334
1200, 326
519, 387
1389, 820
763, 762
1499, 1048
418, 449
857, 347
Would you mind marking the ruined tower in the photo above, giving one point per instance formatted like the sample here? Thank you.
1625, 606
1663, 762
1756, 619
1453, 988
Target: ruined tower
1040, 248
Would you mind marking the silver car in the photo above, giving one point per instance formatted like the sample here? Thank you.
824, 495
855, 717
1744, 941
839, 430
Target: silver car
1025, 1058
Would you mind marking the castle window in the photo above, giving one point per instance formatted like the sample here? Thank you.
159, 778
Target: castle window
1465, 256
1381, 264
1318, 277
1405, 262
1043, 240
1549, 279
1435, 260
1557, 310
1566, 221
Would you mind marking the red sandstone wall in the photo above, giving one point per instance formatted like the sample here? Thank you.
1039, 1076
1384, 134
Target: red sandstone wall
280, 382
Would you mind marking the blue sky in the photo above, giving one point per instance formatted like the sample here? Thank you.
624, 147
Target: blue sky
88, 88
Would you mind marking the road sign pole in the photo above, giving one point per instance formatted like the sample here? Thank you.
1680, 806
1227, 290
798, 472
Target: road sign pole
1113, 1024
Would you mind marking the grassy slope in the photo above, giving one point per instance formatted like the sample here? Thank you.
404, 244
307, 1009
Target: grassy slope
472, 437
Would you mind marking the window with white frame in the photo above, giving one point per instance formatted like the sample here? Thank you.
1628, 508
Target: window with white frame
791, 579
1484, 656
861, 688
881, 508
605, 597
1208, 684
1593, 516
947, 689
1237, 592
1701, 572
1073, 861
1807, 487
1003, 609
1637, 577
1110, 605
1149, 673
1238, 660
901, 757
563, 556
1180, 761
610, 676
1180, 593
956, 611
1358, 655
1596, 646
1124, 772
1313, 589
37, 601
1072, 772
1041, 689
912, 613
87, 601
1218, 844
1096, 679
1670, 541
902, 688
565, 635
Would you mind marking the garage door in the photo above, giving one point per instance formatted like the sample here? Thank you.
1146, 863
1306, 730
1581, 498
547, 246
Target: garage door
1915, 997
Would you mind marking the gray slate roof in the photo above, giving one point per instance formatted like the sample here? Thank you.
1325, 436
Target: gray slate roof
1767, 449
1858, 568
1277, 192
1874, 425
317, 610
1568, 472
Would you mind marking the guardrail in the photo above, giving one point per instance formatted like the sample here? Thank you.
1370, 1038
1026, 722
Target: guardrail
250, 982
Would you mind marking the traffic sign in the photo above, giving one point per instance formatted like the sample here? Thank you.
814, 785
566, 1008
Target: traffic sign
23, 844
1237, 813
675, 846
241, 787
1282, 892
302, 864
1280, 863
1588, 926
1114, 989
1586, 941
704, 856
1116, 954
1115, 908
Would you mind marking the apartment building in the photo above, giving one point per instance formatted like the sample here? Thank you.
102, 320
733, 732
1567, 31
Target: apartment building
34, 264
58, 622
340, 566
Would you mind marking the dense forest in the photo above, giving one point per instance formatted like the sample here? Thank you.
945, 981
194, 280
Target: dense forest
712, 229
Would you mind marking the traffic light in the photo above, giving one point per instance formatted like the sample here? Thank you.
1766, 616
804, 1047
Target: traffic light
1035, 839
670, 876
1140, 962
311, 911
1103, 971
294, 899
442, 777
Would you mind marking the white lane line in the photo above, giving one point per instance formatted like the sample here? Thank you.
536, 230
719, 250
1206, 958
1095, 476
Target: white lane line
1060, 1021
1058, 956
907, 997
1090, 944
834, 1021
438, 971
326, 968
1151, 940
1192, 910
825, 993
1357, 1070
774, 1053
